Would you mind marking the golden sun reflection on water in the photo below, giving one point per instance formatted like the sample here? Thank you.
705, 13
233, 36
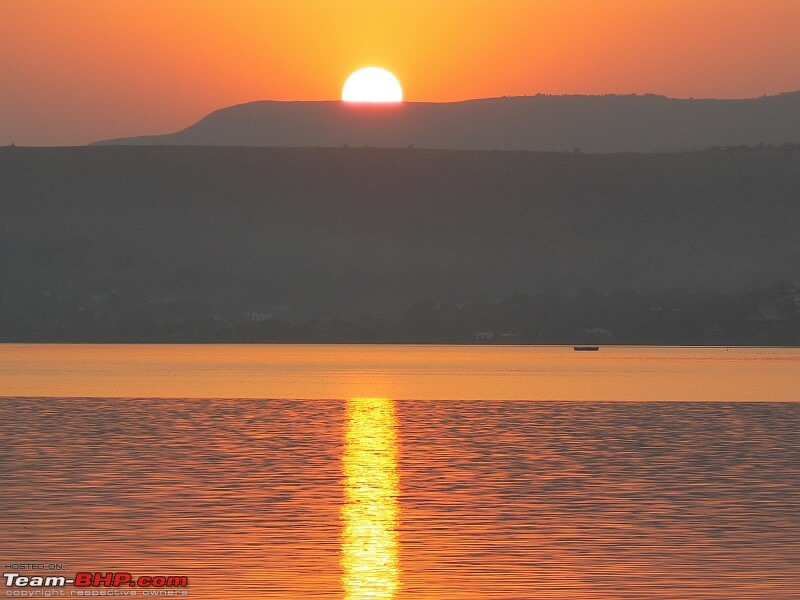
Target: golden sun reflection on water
370, 545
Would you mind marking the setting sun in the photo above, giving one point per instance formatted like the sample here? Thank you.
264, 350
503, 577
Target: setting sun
372, 84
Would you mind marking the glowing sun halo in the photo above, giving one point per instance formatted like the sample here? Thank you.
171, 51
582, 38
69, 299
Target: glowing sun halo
372, 84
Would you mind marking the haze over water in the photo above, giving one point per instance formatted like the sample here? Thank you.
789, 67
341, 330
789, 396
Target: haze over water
408, 473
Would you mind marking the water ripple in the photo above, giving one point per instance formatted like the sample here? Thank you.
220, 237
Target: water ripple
491, 499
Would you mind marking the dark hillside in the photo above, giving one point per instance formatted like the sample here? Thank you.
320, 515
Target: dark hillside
345, 232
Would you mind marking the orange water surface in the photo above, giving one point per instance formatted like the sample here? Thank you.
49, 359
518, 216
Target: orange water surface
406, 472
400, 372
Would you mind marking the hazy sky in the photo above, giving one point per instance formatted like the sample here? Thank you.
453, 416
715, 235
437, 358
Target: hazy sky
73, 71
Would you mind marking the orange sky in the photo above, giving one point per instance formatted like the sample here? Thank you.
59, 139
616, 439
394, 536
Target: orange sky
72, 71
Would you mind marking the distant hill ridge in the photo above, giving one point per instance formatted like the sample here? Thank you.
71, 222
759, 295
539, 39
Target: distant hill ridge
611, 123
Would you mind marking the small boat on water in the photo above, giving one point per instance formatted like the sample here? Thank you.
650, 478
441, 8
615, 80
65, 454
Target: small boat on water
586, 348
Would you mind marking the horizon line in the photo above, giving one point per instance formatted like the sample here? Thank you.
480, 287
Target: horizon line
511, 96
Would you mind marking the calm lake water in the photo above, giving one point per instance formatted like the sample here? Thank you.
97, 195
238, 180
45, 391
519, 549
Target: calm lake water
407, 472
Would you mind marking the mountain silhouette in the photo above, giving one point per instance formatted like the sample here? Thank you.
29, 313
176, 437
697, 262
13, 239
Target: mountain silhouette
610, 123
